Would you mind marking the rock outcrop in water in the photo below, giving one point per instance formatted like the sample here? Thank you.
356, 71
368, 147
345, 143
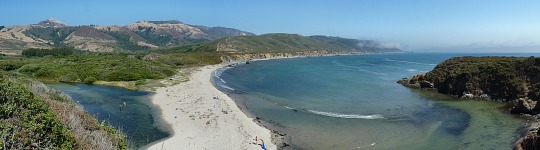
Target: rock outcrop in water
506, 79
531, 140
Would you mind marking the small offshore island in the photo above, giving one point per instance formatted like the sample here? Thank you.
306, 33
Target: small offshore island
514, 80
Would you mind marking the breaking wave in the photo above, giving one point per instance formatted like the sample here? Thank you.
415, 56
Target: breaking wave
217, 73
227, 87
412, 70
335, 115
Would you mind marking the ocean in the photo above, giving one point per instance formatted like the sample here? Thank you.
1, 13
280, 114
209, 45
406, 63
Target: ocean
354, 102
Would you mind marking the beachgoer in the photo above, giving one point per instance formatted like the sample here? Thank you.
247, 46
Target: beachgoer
262, 145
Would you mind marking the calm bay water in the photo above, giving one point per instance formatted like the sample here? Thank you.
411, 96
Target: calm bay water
353, 102
135, 119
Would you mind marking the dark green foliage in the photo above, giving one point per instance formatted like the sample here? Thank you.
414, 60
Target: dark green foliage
57, 35
499, 77
62, 51
27, 123
2, 27
89, 80
12, 64
125, 43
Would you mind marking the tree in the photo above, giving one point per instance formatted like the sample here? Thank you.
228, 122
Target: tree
62, 51
90, 80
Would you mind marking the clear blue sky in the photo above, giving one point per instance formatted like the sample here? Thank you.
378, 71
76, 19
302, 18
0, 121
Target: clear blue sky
415, 25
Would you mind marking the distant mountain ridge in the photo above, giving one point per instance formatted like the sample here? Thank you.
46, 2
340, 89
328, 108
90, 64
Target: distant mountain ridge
141, 35
51, 22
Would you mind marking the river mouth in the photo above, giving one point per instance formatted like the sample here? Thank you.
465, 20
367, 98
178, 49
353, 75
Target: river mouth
129, 111
353, 102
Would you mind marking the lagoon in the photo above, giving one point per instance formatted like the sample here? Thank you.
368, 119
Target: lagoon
137, 119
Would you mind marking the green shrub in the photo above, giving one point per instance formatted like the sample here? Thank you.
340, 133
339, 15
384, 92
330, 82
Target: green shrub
140, 82
109, 67
28, 122
70, 77
10, 63
63, 51
89, 80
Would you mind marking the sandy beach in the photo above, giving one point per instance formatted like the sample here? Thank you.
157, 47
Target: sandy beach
202, 117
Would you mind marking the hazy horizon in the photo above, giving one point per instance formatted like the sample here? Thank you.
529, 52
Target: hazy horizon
420, 26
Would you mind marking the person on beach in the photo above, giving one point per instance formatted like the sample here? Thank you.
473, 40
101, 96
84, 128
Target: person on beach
262, 145
256, 140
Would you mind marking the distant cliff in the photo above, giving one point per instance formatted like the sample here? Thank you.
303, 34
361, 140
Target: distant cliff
506, 79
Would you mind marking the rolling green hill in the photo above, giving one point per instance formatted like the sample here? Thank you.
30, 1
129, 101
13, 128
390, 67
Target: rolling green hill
281, 42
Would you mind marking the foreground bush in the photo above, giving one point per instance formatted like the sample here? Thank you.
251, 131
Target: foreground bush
26, 121
79, 130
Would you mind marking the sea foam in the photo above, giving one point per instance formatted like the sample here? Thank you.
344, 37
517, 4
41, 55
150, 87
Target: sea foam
412, 70
348, 116
217, 75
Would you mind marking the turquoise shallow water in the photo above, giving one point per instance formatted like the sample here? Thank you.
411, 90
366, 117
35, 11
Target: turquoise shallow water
136, 119
353, 102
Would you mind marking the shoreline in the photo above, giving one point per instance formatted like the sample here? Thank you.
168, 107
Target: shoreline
163, 103
203, 117
278, 135
162, 100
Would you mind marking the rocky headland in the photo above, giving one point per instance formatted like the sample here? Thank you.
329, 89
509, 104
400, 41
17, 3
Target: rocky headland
513, 80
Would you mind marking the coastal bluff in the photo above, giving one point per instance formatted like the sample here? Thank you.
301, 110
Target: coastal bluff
514, 80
